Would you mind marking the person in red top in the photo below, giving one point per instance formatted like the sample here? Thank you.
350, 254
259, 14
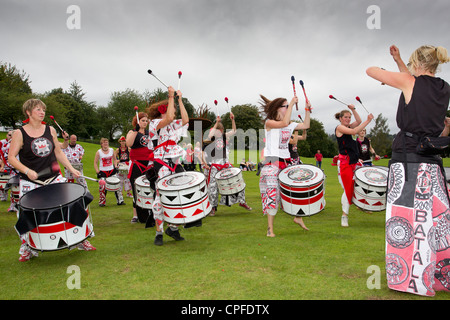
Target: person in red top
141, 155
318, 157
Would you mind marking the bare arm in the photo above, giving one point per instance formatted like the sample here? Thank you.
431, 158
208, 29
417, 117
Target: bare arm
286, 120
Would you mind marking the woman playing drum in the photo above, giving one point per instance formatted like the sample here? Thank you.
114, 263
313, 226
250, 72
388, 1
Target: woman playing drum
348, 154
141, 155
278, 130
417, 223
39, 150
215, 158
165, 128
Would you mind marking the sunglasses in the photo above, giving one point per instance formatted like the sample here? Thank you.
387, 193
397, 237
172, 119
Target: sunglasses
284, 106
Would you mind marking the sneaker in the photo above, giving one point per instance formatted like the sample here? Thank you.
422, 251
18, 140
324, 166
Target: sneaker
159, 240
101, 204
245, 205
86, 245
134, 220
121, 203
27, 255
174, 234
344, 221
13, 208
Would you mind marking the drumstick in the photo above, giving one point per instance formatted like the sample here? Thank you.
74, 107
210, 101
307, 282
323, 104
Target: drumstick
359, 100
226, 100
215, 102
179, 79
137, 114
53, 118
295, 94
332, 97
92, 179
150, 72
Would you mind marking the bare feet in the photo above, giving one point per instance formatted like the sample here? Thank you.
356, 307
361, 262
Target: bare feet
299, 221
270, 233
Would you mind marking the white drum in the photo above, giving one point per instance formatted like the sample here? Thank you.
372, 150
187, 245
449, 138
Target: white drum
4, 178
112, 184
77, 166
55, 216
123, 168
144, 193
230, 181
184, 197
370, 188
302, 190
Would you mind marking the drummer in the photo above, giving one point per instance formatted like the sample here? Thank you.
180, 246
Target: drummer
141, 158
167, 130
348, 154
293, 149
122, 155
9, 170
74, 153
38, 149
278, 130
215, 159
365, 149
107, 168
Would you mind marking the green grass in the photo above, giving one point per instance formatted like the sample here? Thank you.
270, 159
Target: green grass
228, 258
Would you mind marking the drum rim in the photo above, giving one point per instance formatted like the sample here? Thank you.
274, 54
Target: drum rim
358, 174
62, 205
203, 179
319, 170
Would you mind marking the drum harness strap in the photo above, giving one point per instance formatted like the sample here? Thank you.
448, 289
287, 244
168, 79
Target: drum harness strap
278, 162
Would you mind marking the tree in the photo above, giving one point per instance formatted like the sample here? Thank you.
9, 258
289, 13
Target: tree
14, 91
317, 139
379, 137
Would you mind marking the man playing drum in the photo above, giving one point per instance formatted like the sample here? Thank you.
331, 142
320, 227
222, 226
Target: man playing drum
74, 153
39, 150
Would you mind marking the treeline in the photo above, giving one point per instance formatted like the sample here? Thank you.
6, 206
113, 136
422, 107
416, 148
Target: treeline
90, 122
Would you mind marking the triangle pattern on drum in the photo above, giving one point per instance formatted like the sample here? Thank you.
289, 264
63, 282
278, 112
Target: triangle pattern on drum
171, 198
62, 243
198, 211
179, 216
189, 195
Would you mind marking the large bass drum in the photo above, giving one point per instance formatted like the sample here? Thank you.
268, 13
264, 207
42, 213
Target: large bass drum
184, 197
370, 188
302, 190
55, 216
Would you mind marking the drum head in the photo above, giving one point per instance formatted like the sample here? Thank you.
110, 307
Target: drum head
301, 175
373, 176
180, 181
228, 173
53, 203
52, 196
142, 181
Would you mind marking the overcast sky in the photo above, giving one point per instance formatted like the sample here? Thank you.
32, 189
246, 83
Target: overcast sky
227, 48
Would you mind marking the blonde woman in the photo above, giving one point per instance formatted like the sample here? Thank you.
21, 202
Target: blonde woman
417, 224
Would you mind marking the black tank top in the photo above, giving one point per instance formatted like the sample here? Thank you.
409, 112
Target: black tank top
424, 115
347, 146
38, 153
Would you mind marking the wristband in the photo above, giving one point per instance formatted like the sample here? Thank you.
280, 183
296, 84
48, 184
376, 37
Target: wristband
26, 172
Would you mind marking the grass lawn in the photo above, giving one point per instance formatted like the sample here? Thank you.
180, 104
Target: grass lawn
228, 258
